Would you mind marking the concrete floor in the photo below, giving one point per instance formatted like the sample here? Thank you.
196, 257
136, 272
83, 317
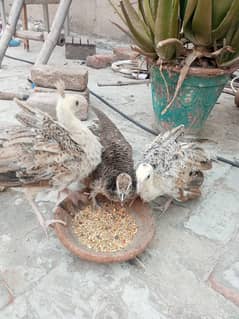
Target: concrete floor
191, 268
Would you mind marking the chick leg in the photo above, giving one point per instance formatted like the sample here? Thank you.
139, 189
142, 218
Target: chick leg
96, 189
167, 205
74, 196
44, 224
163, 208
94, 202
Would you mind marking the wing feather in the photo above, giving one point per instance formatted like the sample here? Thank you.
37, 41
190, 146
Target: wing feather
171, 157
48, 128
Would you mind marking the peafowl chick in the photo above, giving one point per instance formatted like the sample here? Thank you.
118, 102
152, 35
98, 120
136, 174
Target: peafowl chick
171, 168
44, 150
115, 176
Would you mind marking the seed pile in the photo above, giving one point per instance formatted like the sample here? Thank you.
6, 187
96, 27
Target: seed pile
107, 229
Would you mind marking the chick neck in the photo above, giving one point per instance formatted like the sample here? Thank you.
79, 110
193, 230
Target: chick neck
69, 120
151, 189
65, 115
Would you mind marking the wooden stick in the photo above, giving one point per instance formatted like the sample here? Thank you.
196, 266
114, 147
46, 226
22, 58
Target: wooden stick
123, 83
11, 96
31, 35
38, 36
53, 36
46, 16
10, 27
25, 25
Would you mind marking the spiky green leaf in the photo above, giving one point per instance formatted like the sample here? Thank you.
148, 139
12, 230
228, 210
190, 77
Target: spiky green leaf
167, 26
224, 26
202, 23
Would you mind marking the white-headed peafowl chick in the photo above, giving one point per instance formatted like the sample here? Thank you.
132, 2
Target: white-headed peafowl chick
43, 149
171, 168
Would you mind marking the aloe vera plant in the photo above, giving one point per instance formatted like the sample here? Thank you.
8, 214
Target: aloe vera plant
158, 26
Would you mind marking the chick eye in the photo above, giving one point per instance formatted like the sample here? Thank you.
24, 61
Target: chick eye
77, 103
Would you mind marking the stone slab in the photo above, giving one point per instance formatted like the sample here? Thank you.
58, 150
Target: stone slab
216, 218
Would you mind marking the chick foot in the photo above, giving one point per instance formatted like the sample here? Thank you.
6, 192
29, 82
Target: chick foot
44, 224
96, 190
163, 208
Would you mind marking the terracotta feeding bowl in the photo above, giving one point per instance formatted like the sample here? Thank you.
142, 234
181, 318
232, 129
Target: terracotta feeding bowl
145, 232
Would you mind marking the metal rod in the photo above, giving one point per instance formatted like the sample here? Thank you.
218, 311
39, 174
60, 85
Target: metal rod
3, 14
54, 34
10, 27
224, 160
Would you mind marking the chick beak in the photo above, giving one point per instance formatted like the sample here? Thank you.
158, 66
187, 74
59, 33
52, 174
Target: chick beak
122, 197
139, 188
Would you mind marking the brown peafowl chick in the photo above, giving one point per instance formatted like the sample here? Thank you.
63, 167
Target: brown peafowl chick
115, 176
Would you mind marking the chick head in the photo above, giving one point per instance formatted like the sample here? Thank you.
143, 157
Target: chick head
144, 176
74, 103
123, 186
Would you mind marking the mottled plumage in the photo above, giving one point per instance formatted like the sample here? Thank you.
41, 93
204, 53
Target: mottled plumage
42, 149
115, 176
170, 167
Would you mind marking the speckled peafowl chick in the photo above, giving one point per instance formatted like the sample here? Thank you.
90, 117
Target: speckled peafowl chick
115, 177
44, 150
171, 168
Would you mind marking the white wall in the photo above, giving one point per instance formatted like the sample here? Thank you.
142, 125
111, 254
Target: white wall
86, 16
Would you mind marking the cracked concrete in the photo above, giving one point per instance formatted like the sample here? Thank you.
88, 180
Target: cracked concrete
190, 270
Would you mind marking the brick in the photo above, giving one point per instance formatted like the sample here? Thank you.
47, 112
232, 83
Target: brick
79, 48
125, 53
99, 61
74, 78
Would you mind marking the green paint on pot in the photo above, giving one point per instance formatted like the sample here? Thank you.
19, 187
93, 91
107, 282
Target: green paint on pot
195, 100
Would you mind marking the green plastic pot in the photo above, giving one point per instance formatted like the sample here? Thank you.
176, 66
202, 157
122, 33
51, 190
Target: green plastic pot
197, 96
